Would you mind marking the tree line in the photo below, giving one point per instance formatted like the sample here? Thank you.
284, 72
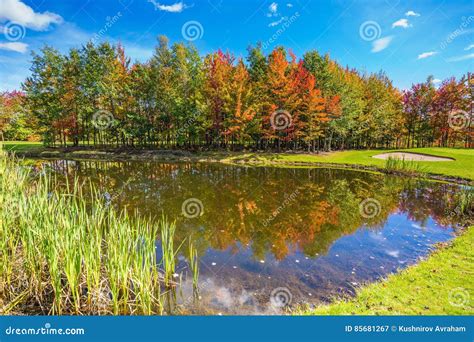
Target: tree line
179, 99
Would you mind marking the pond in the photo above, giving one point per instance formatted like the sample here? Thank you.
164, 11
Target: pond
273, 238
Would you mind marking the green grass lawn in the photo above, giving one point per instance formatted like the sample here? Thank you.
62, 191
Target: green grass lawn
19, 146
462, 166
441, 285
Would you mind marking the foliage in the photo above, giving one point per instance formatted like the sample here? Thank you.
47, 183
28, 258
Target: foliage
178, 99
440, 116
15, 122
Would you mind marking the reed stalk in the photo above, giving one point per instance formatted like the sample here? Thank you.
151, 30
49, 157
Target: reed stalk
67, 252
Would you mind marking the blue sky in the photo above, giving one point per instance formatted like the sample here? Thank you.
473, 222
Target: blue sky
408, 40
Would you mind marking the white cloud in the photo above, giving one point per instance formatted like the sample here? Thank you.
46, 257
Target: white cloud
426, 54
174, 8
14, 46
272, 10
273, 7
436, 80
469, 47
412, 14
17, 11
381, 44
401, 23
461, 58
278, 22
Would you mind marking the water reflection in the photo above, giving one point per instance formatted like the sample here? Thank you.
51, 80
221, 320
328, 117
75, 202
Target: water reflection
260, 229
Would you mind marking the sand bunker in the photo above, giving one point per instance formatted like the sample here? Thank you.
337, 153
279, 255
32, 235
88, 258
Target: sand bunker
410, 156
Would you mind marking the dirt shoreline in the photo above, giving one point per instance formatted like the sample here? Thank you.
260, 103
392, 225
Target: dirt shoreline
213, 157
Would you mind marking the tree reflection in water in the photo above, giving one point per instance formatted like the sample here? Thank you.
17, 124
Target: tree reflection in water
259, 228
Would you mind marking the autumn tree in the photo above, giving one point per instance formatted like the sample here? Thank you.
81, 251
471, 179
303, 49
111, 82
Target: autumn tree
417, 103
179, 99
15, 121
218, 70
43, 95
240, 104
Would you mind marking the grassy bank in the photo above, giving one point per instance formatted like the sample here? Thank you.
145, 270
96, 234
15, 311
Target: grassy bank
462, 166
441, 285
62, 255
22, 146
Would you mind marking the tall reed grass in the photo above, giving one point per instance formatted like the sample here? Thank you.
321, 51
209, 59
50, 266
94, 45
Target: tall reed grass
61, 254
463, 205
194, 266
402, 165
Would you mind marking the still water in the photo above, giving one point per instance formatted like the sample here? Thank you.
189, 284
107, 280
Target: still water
273, 238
